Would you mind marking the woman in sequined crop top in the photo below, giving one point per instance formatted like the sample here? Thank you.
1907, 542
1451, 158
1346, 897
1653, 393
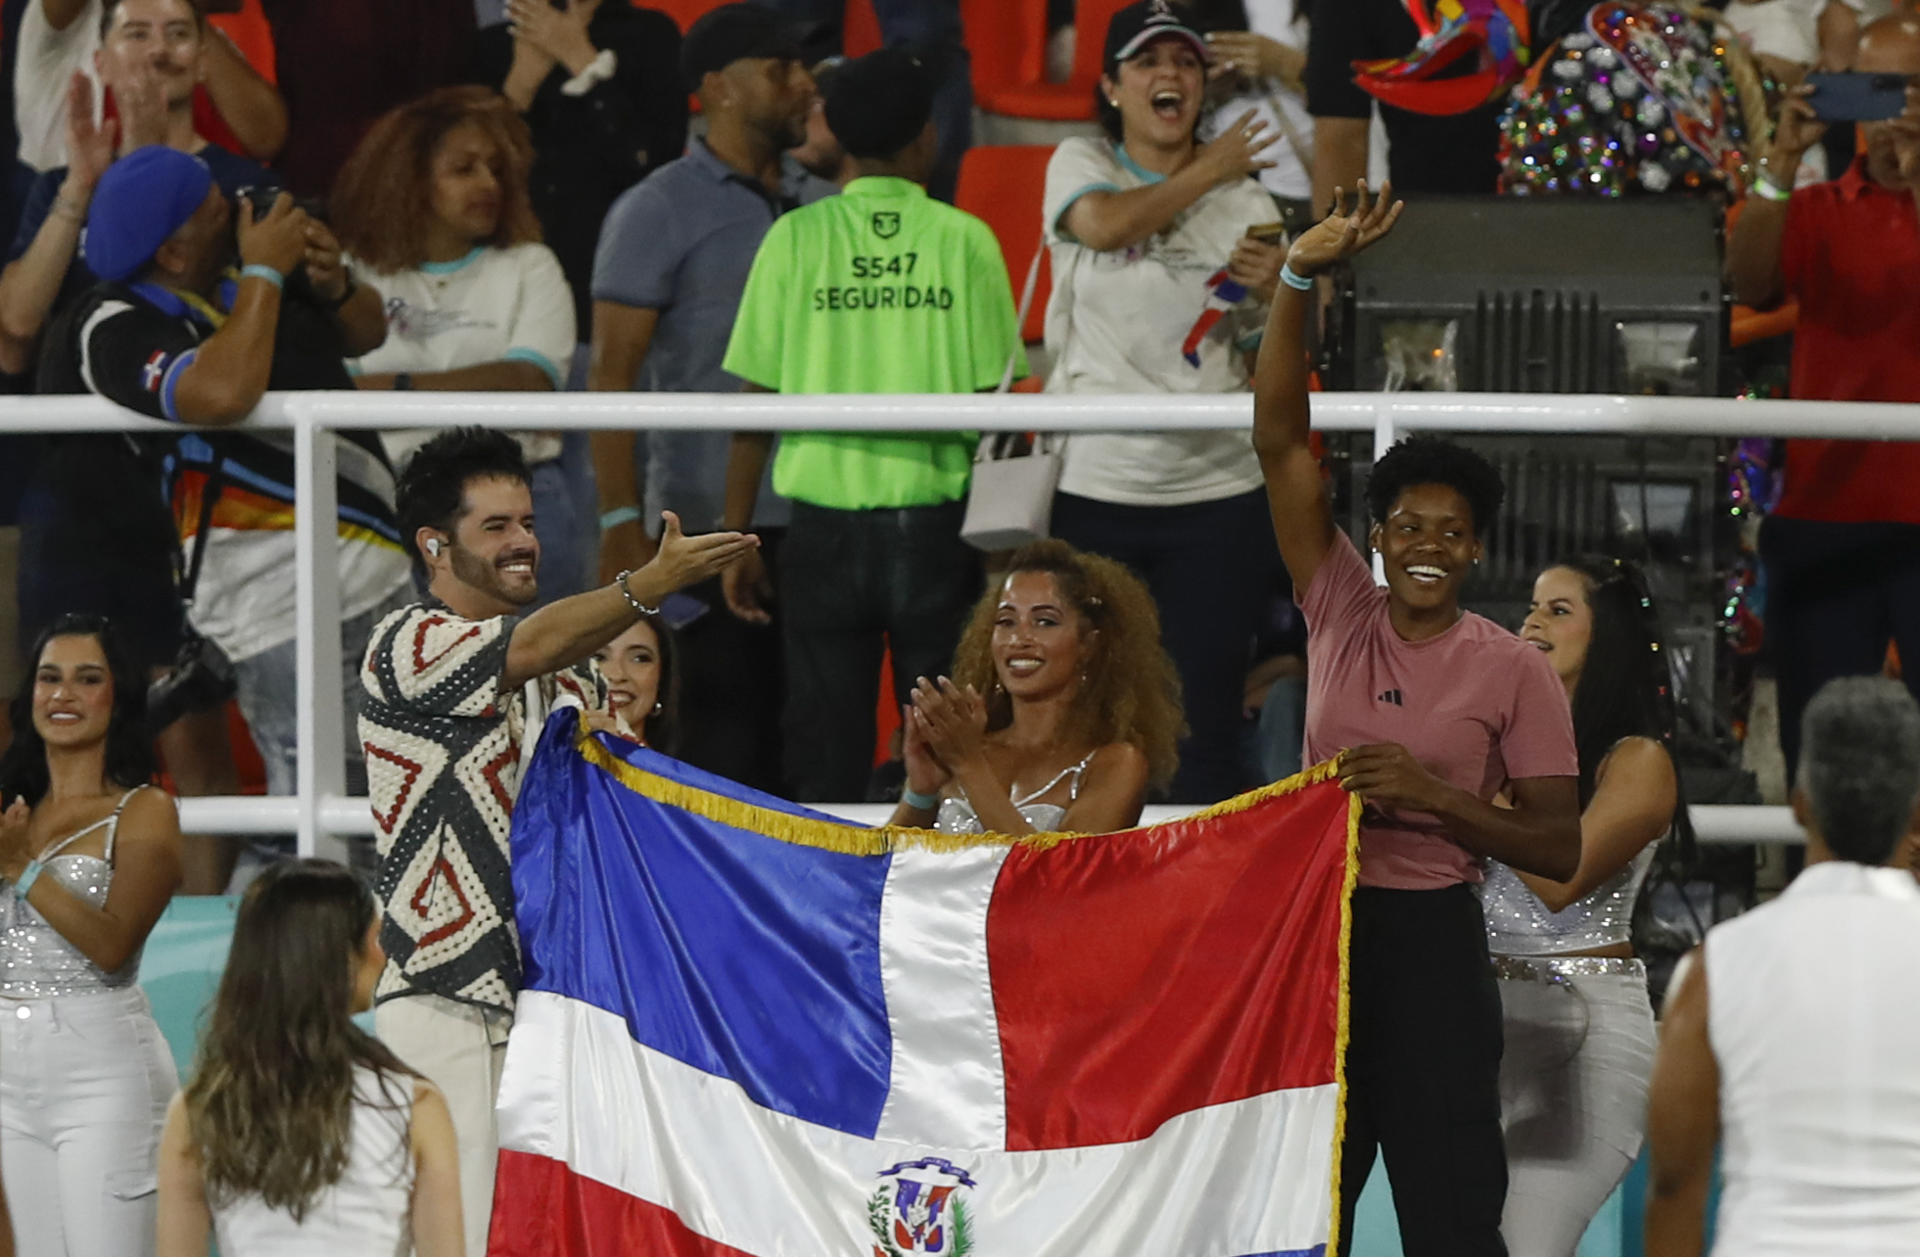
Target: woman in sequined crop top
1579, 1030
1062, 711
91, 855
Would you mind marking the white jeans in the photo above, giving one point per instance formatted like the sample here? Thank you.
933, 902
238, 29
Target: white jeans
85, 1081
1573, 1096
455, 1046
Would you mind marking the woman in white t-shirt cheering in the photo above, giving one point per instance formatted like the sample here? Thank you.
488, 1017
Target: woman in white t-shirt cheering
434, 208
1160, 287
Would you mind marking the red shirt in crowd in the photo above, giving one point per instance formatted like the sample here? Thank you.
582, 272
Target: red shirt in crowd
1851, 258
1476, 706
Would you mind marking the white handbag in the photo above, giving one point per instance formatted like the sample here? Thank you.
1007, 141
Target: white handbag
1010, 500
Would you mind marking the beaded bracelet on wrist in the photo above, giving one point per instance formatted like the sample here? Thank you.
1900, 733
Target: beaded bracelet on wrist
639, 607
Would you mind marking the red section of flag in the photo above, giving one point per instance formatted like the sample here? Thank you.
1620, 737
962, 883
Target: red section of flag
543, 1209
1125, 1000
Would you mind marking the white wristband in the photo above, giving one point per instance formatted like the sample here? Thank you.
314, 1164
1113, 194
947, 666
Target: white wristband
1293, 279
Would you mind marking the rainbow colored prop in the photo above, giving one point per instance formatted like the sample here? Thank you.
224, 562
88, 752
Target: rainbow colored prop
1495, 32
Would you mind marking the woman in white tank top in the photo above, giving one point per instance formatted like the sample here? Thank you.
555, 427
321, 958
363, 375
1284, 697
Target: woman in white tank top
1062, 711
300, 1134
1790, 1049
1578, 1026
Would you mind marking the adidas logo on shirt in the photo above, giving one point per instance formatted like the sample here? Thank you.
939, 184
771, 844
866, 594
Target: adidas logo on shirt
1390, 696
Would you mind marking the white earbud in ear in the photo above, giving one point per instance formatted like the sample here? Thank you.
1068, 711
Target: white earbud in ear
433, 546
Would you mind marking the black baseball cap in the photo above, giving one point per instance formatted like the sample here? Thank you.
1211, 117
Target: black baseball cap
878, 104
1134, 27
736, 32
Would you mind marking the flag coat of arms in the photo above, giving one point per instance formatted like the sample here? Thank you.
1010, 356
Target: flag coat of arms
749, 1028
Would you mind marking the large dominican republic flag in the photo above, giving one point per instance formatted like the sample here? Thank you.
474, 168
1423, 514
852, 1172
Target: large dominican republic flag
749, 1028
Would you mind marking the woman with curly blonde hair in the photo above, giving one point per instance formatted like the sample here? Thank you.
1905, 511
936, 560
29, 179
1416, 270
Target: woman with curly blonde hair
1063, 709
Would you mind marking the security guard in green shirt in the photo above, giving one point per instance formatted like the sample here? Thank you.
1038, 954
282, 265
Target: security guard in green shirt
878, 290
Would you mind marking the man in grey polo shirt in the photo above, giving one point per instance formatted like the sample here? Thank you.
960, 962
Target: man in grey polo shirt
672, 261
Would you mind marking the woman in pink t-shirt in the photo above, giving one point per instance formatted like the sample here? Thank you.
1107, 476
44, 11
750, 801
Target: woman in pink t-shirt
1434, 711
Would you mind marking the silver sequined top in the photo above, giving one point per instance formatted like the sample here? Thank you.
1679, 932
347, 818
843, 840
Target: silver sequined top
956, 814
1518, 924
36, 960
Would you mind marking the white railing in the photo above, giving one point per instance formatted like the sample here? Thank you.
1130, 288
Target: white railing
321, 814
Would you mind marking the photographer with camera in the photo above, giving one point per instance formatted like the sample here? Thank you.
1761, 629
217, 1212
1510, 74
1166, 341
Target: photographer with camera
1842, 549
174, 333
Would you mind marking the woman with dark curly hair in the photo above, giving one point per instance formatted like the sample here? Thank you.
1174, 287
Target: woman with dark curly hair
1063, 708
301, 1134
1433, 712
1579, 1029
92, 855
435, 211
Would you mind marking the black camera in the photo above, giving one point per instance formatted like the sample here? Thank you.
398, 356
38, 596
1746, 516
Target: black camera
200, 679
262, 197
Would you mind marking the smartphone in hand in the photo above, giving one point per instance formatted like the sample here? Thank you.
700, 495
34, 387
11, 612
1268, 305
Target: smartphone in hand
1856, 97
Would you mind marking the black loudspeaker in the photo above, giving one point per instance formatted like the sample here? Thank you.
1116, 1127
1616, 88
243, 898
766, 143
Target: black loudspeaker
1537, 295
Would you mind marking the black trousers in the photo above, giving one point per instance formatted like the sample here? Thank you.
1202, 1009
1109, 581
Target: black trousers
1423, 1071
1209, 566
731, 687
1836, 595
851, 584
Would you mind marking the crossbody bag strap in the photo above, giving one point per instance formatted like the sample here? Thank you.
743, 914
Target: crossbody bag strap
1020, 320
1298, 145
209, 496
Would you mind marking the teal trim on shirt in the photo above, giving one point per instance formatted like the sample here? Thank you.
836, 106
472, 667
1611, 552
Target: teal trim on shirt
538, 359
1060, 219
448, 268
1139, 171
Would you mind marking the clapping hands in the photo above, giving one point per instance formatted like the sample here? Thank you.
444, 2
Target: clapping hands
559, 34
948, 723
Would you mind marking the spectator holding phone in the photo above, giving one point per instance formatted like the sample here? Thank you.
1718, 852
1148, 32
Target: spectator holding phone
1161, 284
1842, 550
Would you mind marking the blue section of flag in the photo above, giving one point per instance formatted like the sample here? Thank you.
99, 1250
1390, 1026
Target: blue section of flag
750, 958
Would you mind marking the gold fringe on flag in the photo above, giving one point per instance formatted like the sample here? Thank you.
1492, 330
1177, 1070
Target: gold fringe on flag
848, 839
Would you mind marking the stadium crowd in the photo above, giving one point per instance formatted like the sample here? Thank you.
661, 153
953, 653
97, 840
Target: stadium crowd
215, 200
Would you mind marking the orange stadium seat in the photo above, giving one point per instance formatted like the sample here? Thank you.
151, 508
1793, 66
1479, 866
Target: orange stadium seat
1008, 40
1030, 96
1004, 184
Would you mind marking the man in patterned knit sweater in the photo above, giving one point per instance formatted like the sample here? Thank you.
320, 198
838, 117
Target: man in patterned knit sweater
456, 686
